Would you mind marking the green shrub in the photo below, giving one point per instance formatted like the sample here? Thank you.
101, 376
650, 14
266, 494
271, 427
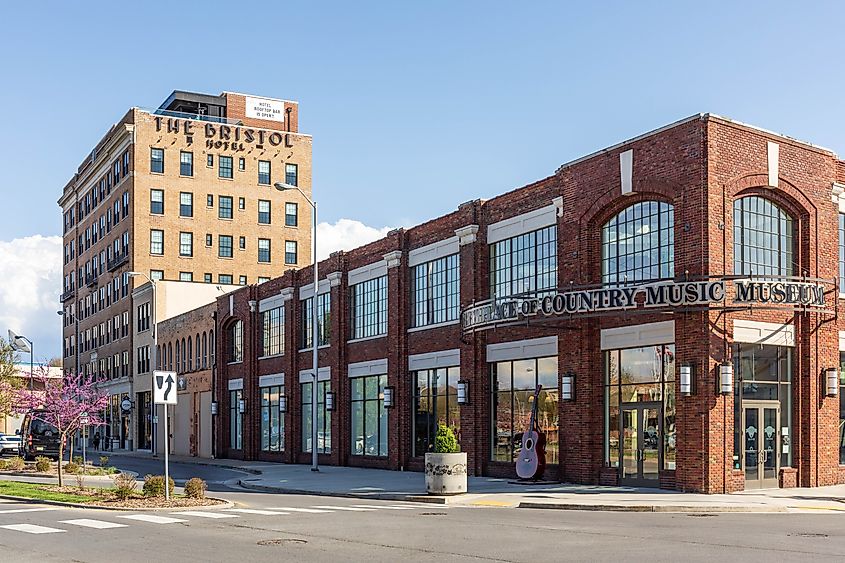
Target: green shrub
77, 459
15, 463
43, 464
104, 460
124, 485
195, 488
154, 486
72, 467
445, 441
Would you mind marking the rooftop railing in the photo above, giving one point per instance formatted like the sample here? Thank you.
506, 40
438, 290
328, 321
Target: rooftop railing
194, 116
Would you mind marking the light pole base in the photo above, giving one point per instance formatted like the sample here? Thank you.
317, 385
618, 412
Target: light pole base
315, 469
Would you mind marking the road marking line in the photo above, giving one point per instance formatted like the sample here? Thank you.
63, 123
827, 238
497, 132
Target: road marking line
90, 523
305, 510
19, 510
153, 519
499, 503
201, 514
32, 529
377, 507
255, 511
347, 508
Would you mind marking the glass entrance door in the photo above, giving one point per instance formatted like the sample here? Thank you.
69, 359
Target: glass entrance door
761, 424
641, 435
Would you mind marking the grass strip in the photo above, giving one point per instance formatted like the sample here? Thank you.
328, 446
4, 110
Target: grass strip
37, 491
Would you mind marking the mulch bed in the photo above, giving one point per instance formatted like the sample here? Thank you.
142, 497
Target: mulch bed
109, 500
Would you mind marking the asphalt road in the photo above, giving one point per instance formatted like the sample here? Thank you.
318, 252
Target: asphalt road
311, 528
213, 475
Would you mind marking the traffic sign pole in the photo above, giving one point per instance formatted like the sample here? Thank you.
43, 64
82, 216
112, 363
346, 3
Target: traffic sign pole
165, 393
166, 460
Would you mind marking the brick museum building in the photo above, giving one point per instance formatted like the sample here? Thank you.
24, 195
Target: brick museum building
676, 296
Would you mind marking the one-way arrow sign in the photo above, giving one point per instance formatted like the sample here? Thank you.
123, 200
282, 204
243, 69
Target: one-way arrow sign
164, 387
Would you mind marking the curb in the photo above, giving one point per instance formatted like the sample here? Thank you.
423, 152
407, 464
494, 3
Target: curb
652, 508
224, 504
245, 483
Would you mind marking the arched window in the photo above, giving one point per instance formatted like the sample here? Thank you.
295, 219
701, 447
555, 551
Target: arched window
169, 356
212, 345
763, 238
190, 354
236, 342
184, 357
204, 350
638, 244
179, 357
158, 357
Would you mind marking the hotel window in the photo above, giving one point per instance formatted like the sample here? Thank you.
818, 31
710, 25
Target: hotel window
264, 250
236, 420
763, 238
264, 172
156, 242
291, 215
116, 171
435, 291
242, 243
186, 163
841, 252
369, 308
209, 161
637, 375
225, 166
186, 204
638, 244
186, 244
324, 312
125, 204
235, 350
435, 403
224, 207
186, 276
241, 203
125, 162
209, 240
209, 200
225, 279
290, 252
369, 417
272, 421
514, 384
206, 278
524, 263
263, 212
324, 418
224, 246
273, 332
262, 279
156, 275
291, 174
157, 161
157, 202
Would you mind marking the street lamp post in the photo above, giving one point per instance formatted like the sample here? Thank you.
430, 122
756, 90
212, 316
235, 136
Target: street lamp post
20, 347
154, 361
314, 330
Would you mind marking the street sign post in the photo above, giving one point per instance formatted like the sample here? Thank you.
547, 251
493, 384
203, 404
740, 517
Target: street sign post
164, 393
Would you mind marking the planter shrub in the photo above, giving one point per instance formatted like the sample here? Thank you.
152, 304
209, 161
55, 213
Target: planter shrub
445, 441
104, 460
195, 488
154, 486
72, 467
15, 463
43, 464
125, 485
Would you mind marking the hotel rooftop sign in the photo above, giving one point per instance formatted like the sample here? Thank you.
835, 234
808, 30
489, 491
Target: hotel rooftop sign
729, 292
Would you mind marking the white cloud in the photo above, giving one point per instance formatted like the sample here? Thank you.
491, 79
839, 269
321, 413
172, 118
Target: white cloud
345, 234
30, 284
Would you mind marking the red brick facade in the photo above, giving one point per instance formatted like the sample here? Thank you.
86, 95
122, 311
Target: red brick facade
701, 166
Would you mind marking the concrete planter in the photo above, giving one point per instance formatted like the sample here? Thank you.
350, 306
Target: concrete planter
446, 474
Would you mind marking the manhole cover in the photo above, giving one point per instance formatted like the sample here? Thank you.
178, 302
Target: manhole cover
432, 514
283, 541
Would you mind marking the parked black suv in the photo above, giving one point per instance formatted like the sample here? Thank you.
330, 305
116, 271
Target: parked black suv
38, 438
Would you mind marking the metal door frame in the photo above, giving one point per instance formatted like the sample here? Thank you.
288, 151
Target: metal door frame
640, 480
762, 482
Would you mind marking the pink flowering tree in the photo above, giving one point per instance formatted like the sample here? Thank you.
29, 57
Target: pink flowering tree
62, 402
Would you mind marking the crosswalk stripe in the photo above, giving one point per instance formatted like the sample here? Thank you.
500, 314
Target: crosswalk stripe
90, 523
201, 514
32, 529
152, 519
19, 510
255, 511
347, 508
377, 507
305, 510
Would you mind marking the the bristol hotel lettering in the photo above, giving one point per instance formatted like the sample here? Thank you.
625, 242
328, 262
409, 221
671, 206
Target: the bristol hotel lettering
739, 293
221, 137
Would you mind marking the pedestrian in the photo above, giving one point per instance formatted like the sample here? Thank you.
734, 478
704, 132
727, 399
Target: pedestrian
96, 440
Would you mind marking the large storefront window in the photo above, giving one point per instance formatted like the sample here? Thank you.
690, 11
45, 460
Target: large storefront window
324, 418
236, 420
640, 376
435, 403
524, 263
763, 238
638, 244
435, 291
368, 305
369, 418
272, 421
324, 320
272, 332
514, 383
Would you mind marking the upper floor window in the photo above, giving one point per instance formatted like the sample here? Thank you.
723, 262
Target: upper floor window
264, 172
263, 212
291, 174
273, 332
186, 244
225, 279
235, 352
290, 252
224, 207
224, 246
156, 241
186, 163
157, 160
638, 244
186, 204
225, 166
324, 311
157, 202
369, 308
524, 263
241, 164
435, 291
291, 215
264, 250
763, 238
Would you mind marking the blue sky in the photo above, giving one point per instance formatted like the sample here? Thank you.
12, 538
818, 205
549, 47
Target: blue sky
414, 107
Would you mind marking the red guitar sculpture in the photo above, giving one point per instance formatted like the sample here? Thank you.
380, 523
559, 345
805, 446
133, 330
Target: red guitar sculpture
532, 457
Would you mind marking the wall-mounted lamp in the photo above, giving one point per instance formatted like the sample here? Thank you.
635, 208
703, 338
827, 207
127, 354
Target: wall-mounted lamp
726, 378
388, 397
463, 392
241, 405
329, 400
831, 376
214, 407
567, 387
686, 373
283, 403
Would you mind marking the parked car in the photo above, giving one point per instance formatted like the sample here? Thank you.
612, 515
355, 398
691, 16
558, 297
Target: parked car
38, 438
10, 444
